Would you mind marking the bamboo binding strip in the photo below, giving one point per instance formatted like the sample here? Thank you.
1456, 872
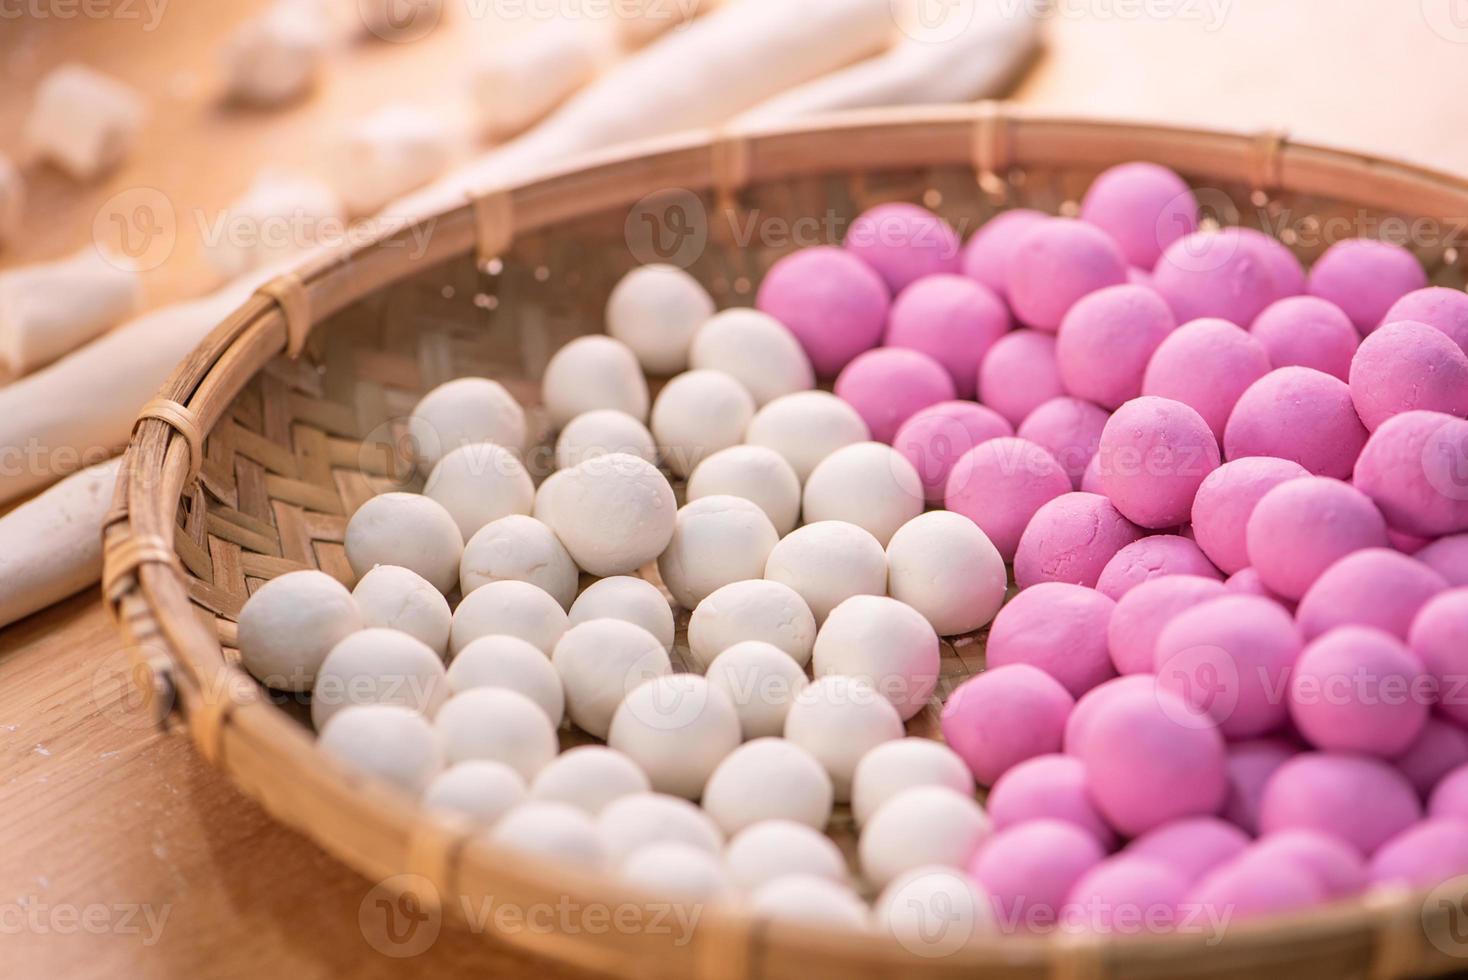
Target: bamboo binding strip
289, 437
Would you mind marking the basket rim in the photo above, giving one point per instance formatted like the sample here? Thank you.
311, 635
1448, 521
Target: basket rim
180, 663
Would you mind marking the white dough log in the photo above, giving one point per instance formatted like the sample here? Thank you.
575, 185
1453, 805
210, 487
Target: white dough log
51, 547
280, 215
50, 309
276, 57
12, 200
83, 121
391, 152
931, 63
519, 80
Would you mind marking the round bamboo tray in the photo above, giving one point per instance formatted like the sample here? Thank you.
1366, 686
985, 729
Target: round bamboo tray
289, 416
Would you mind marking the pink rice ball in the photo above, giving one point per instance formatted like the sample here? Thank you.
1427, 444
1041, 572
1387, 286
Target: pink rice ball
1376, 587
1192, 847
1125, 896
1437, 306
1364, 277
1206, 364
1225, 500
1077, 726
1143, 612
1357, 689
903, 243
1354, 798
1415, 467
1155, 453
1250, 764
1143, 207
1231, 659
1450, 798
1047, 786
1000, 484
935, 438
1029, 870
1246, 889
1307, 331
1070, 429
1335, 866
1003, 716
1246, 581
1300, 414
1059, 628
1423, 856
890, 385
986, 256
1153, 557
1054, 264
952, 319
1150, 759
1405, 366
1304, 526
1439, 638
832, 301
1441, 748
1106, 341
1019, 374
1448, 557
1216, 274
1284, 265
1407, 544
1070, 539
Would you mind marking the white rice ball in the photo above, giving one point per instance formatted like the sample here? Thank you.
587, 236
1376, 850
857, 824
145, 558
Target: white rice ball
893, 767
522, 549
886, 643
673, 871
499, 725
838, 720
480, 483
464, 411
387, 740
697, 414
398, 598
409, 530
656, 310
508, 608
614, 513
633, 822
762, 681
514, 664
768, 779
590, 373
603, 431
933, 911
945, 567
551, 830
756, 473
378, 666
677, 728
589, 777
773, 849
290, 624
828, 563
811, 901
629, 598
756, 350
481, 790
543, 493
921, 826
755, 610
805, 428
602, 661
716, 541
867, 484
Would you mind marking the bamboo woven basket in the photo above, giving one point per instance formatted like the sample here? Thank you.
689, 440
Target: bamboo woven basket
283, 422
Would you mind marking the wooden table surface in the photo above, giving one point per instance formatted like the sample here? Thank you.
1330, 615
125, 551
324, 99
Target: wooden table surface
121, 853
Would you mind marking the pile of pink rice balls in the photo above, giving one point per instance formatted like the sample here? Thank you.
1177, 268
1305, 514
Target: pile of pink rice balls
1206, 511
